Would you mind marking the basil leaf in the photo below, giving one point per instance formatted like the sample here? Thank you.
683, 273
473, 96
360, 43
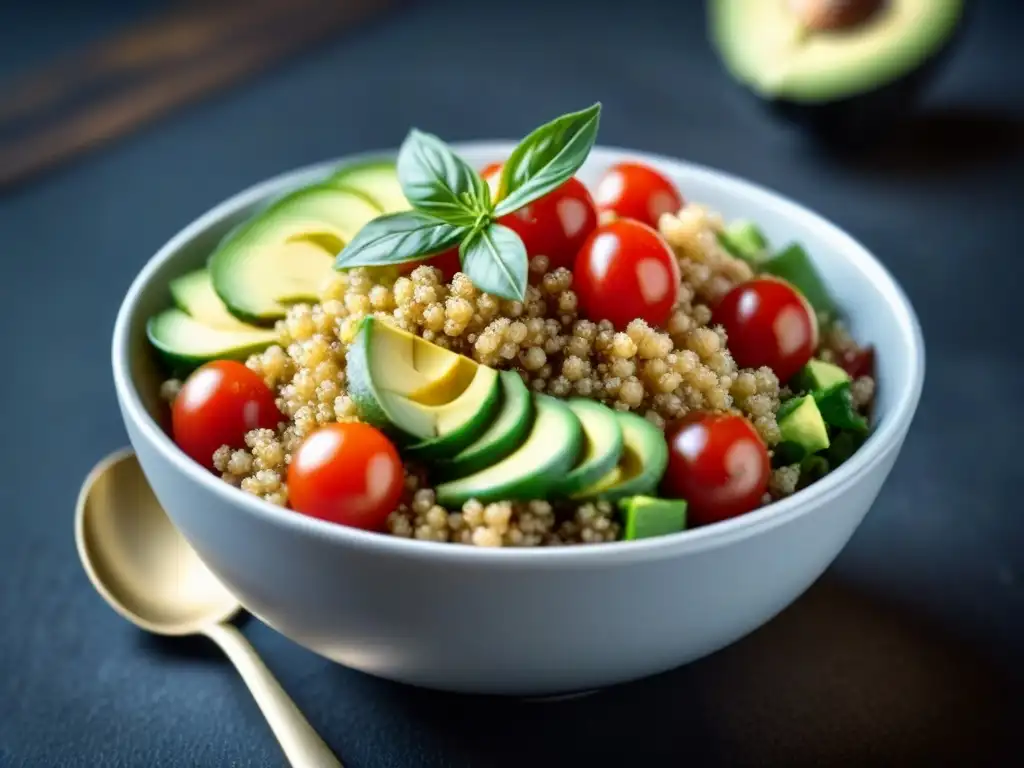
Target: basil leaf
494, 259
547, 158
437, 181
398, 237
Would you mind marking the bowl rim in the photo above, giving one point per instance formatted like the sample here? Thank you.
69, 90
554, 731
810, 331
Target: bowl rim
815, 496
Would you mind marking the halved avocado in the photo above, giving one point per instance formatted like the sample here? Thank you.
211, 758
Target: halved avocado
602, 446
844, 68
643, 462
185, 343
193, 294
438, 401
504, 435
377, 180
531, 472
285, 253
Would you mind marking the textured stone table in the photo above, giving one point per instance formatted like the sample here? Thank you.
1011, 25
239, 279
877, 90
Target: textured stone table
909, 650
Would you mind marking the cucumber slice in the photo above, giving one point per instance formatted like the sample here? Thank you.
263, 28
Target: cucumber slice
377, 180
285, 253
185, 343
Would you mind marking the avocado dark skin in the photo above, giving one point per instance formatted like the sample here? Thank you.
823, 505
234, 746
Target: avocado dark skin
856, 122
865, 119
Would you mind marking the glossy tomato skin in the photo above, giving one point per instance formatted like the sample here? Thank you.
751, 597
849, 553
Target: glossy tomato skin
718, 463
624, 271
218, 403
768, 322
346, 473
555, 225
446, 261
637, 191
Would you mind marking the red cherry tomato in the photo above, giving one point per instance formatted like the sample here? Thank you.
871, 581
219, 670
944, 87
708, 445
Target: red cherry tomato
859, 363
446, 261
637, 191
217, 405
625, 271
768, 322
489, 169
556, 225
718, 463
346, 473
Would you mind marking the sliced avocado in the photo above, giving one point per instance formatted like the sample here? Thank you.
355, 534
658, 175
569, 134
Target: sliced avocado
406, 364
185, 343
193, 294
285, 253
456, 424
818, 374
645, 517
793, 265
802, 429
377, 180
602, 446
845, 70
549, 451
835, 403
387, 368
505, 434
744, 240
643, 462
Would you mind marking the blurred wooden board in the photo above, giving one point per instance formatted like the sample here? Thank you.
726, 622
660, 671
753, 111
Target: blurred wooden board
105, 91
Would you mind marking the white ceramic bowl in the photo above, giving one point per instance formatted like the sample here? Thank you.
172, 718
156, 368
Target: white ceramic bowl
533, 621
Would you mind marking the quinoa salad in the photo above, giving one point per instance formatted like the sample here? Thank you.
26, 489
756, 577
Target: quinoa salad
504, 357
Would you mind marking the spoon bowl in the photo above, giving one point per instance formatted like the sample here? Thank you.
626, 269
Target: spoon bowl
137, 560
146, 570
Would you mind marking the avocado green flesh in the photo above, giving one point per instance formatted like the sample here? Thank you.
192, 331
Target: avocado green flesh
602, 449
645, 517
377, 180
764, 45
549, 451
795, 266
504, 435
818, 374
286, 253
455, 425
835, 404
801, 424
641, 466
184, 342
744, 240
193, 294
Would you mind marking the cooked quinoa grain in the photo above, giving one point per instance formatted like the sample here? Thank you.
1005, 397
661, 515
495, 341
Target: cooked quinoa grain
659, 373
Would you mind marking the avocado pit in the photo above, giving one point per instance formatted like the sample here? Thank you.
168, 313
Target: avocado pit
834, 15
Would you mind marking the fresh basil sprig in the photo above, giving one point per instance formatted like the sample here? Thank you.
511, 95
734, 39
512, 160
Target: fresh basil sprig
452, 204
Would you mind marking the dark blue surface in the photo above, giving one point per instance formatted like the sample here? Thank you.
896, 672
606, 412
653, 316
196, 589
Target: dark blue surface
910, 650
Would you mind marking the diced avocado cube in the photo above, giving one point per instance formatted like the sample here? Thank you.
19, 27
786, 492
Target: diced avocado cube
818, 374
836, 407
794, 265
802, 428
646, 516
744, 240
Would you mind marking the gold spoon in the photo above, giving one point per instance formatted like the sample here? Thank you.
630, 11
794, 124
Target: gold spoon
143, 567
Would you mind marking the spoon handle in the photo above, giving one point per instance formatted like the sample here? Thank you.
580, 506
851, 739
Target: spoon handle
301, 744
